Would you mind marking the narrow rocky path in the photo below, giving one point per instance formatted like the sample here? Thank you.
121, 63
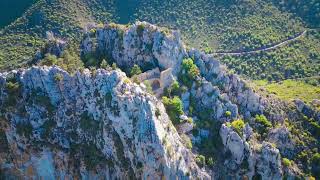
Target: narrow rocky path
274, 46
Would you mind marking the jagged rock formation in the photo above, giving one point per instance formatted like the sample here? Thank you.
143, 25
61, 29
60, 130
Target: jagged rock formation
216, 92
254, 158
90, 125
153, 47
142, 43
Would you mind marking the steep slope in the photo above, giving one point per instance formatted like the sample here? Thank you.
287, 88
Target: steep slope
92, 124
217, 101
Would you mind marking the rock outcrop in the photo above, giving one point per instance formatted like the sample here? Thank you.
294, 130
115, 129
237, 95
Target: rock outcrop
248, 157
90, 125
142, 43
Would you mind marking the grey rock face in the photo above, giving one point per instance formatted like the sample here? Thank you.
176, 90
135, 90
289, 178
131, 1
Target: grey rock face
236, 89
233, 143
265, 161
269, 162
142, 43
100, 113
282, 138
308, 110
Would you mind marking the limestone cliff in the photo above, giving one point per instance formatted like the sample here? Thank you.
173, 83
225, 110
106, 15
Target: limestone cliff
90, 125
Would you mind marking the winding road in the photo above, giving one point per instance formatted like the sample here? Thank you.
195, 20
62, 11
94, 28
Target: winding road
274, 46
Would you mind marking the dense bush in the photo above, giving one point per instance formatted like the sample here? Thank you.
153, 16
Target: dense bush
210, 162
298, 59
173, 90
174, 108
69, 61
286, 162
238, 125
140, 29
49, 60
263, 123
189, 72
104, 64
201, 160
263, 120
228, 113
135, 70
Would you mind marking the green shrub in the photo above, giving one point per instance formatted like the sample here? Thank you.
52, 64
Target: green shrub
174, 108
114, 66
13, 88
210, 162
58, 77
228, 113
135, 70
312, 178
148, 86
175, 88
49, 60
190, 120
263, 120
286, 162
189, 72
104, 64
238, 125
264, 123
201, 160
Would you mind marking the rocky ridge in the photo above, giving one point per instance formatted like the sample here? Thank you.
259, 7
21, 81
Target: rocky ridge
104, 112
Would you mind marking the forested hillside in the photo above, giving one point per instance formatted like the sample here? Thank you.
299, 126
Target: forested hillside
12, 9
309, 10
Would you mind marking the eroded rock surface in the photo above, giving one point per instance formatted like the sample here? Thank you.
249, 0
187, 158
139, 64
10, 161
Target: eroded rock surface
90, 125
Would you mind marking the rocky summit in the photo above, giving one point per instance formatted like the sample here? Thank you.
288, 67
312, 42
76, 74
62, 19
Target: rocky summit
160, 111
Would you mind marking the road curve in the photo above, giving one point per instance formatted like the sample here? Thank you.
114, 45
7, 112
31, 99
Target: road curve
274, 46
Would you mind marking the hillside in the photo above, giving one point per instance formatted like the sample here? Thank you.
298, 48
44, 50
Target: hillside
12, 9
